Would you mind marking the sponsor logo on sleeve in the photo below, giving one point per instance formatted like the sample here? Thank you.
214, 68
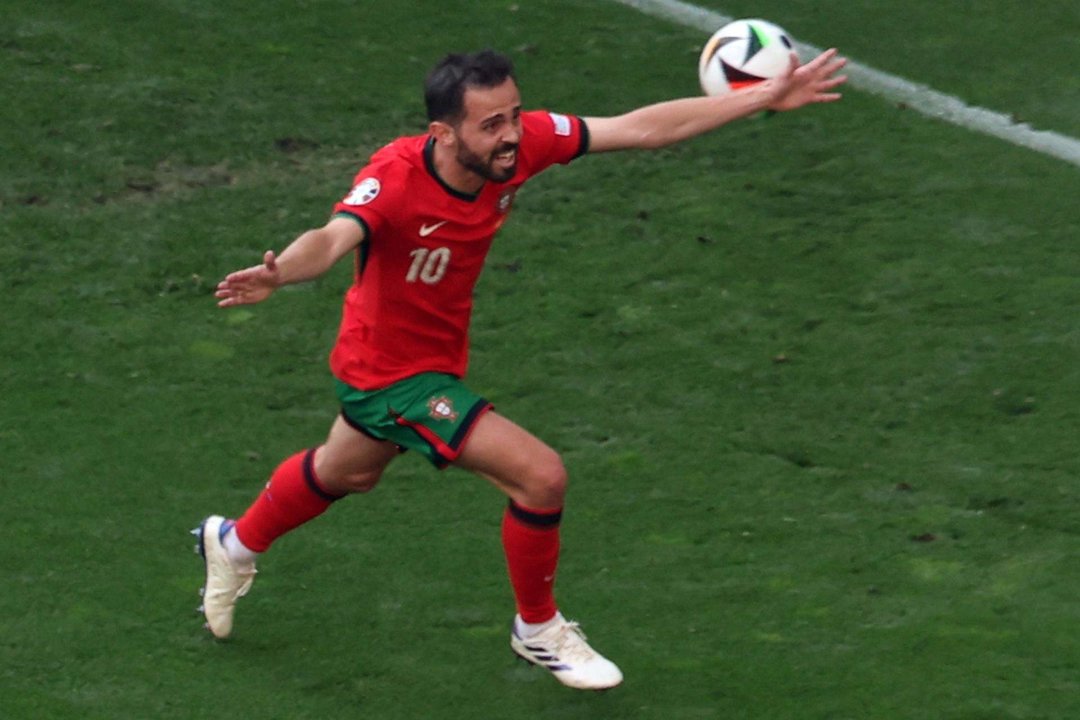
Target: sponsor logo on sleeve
562, 124
365, 192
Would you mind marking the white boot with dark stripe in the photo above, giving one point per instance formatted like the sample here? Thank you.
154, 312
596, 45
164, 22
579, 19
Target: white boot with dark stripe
225, 580
561, 648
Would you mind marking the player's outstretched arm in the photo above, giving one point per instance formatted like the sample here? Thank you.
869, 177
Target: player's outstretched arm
307, 257
665, 123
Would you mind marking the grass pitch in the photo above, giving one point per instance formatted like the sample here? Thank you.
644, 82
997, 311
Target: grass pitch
814, 375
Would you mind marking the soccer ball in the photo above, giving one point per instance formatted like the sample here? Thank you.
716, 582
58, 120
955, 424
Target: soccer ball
742, 53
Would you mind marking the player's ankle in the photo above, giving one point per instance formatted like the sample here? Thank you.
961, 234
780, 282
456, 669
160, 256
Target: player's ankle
238, 553
525, 629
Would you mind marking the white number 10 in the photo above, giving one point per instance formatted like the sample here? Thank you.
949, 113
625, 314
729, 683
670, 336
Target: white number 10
428, 265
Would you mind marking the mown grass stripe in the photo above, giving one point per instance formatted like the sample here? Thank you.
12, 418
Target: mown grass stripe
918, 97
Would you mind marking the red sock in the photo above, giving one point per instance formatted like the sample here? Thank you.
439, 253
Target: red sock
531, 542
291, 498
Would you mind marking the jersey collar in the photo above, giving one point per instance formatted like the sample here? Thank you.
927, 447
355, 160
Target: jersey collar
429, 163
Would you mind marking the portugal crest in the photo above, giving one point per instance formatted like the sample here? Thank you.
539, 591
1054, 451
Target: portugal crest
506, 200
442, 408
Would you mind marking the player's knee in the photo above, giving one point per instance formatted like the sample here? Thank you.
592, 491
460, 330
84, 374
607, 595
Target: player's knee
350, 483
362, 485
547, 481
364, 482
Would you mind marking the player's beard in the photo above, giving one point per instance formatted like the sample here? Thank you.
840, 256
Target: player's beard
486, 169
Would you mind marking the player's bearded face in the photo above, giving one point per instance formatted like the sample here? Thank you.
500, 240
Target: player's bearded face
498, 165
489, 134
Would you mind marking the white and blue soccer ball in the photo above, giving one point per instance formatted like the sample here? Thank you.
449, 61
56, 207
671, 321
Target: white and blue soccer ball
742, 53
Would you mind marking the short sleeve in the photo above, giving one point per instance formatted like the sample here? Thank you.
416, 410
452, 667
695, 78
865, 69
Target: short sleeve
366, 200
551, 138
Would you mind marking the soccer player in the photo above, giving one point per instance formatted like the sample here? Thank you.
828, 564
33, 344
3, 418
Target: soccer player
420, 218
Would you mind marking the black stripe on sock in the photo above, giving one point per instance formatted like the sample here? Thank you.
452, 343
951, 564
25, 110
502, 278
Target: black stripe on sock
535, 519
309, 478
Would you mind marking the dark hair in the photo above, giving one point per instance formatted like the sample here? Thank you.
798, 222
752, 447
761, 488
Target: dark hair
444, 89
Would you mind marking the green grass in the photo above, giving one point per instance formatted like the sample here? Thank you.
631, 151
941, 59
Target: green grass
1003, 57
813, 376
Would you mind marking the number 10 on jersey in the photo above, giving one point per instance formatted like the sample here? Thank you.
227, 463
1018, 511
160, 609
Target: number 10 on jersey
428, 266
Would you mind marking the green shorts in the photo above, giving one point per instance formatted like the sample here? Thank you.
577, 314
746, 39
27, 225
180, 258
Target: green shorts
432, 413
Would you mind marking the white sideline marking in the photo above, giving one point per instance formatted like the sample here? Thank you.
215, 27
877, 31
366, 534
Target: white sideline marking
920, 98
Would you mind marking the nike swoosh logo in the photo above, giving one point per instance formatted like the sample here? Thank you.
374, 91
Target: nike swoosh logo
426, 230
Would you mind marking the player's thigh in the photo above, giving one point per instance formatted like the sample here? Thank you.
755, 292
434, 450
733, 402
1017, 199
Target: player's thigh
521, 464
351, 461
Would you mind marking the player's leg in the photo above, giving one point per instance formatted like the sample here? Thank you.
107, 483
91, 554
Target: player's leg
300, 489
306, 484
523, 466
533, 477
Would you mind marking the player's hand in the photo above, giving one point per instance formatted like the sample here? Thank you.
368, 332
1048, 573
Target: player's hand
809, 83
251, 285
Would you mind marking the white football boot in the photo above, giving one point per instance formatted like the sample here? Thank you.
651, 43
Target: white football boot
561, 648
225, 581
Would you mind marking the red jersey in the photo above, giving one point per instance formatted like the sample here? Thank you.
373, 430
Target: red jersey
409, 307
